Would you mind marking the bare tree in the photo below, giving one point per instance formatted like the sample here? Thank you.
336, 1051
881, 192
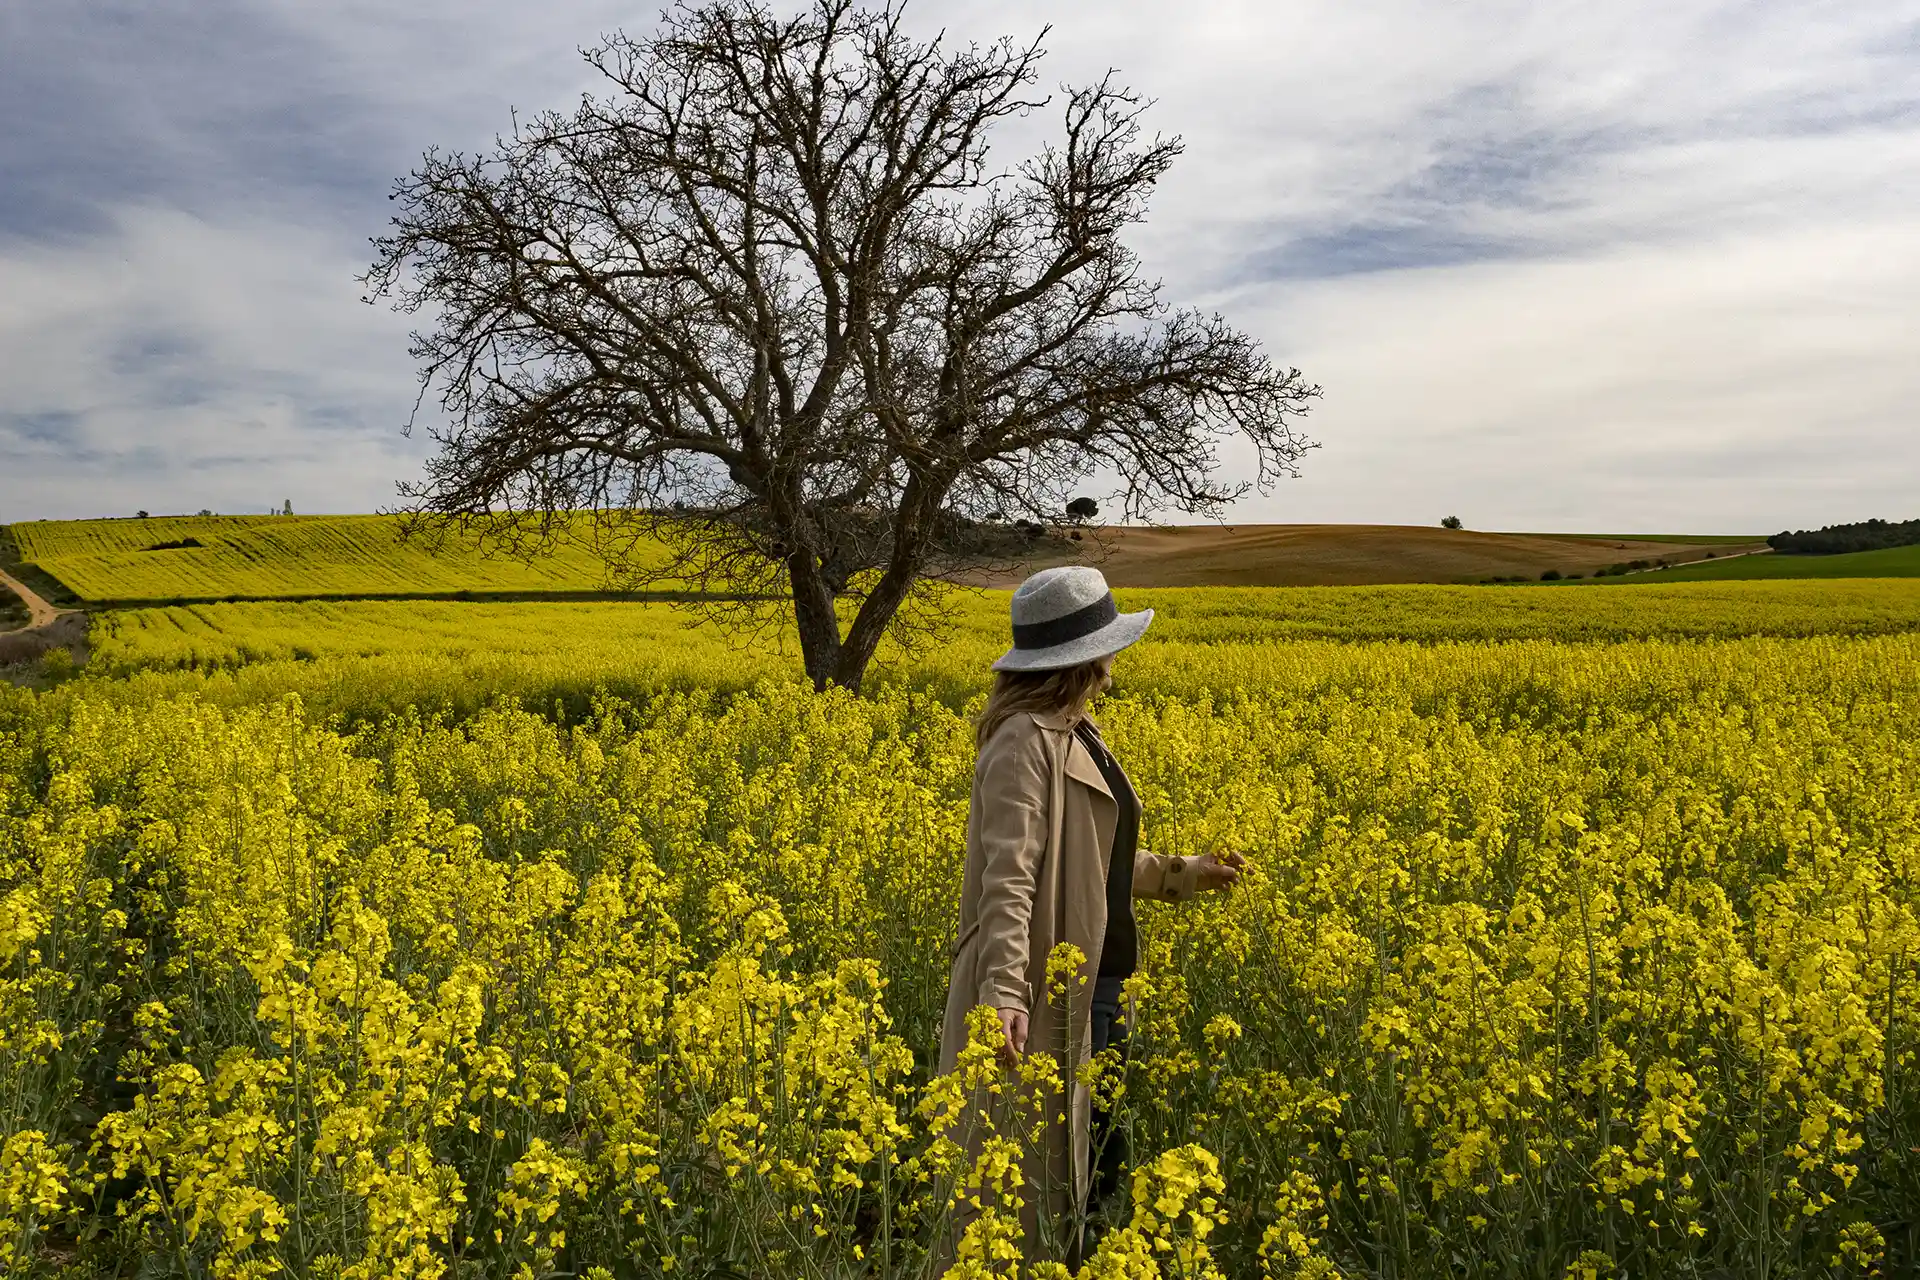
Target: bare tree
765, 302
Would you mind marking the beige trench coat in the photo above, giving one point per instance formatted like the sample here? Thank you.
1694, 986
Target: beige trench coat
1039, 832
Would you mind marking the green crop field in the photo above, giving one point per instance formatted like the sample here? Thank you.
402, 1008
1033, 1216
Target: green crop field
1676, 539
281, 557
1892, 562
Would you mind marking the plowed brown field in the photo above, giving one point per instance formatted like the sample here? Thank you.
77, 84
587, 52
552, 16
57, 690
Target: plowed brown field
1297, 555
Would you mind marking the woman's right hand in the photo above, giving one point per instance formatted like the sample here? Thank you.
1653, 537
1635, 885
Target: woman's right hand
1013, 1027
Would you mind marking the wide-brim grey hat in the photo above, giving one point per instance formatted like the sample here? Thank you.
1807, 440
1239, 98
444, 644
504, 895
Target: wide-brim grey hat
1065, 616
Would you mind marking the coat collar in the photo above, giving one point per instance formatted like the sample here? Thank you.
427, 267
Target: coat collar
1079, 763
1081, 767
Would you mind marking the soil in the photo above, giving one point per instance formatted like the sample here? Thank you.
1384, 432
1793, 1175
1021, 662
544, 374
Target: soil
47, 628
1296, 555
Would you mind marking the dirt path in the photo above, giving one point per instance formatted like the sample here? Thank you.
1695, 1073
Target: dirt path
39, 612
47, 628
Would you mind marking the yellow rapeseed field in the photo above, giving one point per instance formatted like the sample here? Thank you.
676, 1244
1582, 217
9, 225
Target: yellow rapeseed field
216, 557
1556, 958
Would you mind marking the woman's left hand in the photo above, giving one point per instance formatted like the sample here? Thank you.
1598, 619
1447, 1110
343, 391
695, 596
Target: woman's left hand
1218, 870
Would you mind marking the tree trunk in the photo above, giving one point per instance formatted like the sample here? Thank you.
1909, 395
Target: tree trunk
912, 530
870, 625
816, 621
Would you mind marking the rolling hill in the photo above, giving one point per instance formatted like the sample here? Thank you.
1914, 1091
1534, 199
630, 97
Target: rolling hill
190, 558
1300, 555
185, 559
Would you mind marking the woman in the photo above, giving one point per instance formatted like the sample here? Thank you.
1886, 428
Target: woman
1053, 857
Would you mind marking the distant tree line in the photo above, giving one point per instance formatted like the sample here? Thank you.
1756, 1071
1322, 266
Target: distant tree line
1834, 539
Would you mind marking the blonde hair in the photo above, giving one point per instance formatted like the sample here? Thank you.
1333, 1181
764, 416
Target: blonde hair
1068, 689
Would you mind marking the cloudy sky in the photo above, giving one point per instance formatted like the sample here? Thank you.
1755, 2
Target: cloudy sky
1623, 266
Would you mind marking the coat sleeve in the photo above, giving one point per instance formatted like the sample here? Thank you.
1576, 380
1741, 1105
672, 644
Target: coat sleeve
1163, 878
1014, 828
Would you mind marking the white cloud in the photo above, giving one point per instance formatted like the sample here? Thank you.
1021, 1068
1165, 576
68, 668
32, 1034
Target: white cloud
1740, 385
183, 364
1631, 265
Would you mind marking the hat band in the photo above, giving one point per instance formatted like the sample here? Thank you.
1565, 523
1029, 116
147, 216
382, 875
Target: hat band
1068, 627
